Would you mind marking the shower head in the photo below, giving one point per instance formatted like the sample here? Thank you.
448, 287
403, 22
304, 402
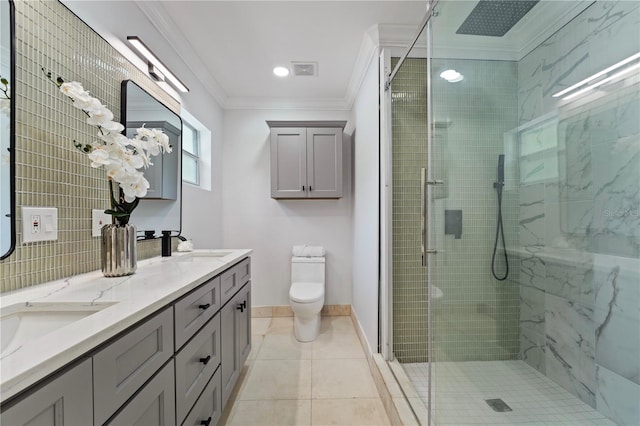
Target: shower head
495, 17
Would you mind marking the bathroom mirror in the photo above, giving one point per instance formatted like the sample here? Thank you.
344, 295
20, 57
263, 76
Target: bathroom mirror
161, 209
7, 119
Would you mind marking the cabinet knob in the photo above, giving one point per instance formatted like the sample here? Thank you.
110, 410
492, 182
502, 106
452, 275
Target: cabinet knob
242, 306
303, 187
310, 188
206, 422
205, 306
205, 360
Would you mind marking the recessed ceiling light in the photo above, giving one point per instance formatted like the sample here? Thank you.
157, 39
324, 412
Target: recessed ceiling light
452, 76
281, 71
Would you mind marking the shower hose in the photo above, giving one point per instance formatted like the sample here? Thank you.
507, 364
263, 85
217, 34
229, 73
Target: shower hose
499, 232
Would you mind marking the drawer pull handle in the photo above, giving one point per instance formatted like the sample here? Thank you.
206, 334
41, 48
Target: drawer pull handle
206, 422
205, 306
242, 306
205, 361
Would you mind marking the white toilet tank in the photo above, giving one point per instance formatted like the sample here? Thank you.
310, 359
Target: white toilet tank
307, 270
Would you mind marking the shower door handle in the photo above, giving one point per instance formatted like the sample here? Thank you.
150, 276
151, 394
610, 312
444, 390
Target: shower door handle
424, 211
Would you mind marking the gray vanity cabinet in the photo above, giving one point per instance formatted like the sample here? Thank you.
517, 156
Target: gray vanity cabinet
176, 367
65, 400
236, 338
306, 159
153, 405
123, 366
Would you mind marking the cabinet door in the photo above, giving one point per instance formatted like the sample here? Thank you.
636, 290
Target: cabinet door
324, 162
230, 363
154, 405
67, 400
195, 364
124, 365
208, 408
288, 162
243, 319
195, 309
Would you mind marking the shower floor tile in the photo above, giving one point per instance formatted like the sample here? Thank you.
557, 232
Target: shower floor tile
461, 388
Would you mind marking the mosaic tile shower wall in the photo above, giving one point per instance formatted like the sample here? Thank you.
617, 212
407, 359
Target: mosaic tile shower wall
50, 172
476, 319
409, 155
580, 213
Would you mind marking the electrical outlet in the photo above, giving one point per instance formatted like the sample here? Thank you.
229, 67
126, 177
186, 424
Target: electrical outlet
39, 224
98, 219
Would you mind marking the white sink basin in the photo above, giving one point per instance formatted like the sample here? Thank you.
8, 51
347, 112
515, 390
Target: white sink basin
203, 255
20, 323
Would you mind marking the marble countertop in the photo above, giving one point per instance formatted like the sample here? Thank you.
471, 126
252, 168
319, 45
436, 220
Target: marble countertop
157, 282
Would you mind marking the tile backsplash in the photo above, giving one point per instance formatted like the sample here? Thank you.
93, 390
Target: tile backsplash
50, 172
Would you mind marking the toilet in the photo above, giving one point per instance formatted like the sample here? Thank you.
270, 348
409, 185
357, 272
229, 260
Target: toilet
306, 296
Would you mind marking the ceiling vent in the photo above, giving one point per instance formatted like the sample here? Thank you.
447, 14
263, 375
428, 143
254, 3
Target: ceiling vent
304, 69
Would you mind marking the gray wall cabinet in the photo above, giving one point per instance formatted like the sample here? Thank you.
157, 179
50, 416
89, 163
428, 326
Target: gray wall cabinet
306, 159
176, 367
64, 400
163, 175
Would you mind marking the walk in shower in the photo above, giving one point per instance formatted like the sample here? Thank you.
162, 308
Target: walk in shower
514, 226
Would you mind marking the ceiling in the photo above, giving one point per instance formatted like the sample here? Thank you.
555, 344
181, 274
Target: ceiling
231, 47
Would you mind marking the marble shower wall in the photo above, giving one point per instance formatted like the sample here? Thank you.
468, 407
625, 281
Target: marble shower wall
579, 232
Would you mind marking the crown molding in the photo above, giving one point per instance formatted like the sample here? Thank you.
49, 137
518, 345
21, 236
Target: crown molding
319, 104
161, 20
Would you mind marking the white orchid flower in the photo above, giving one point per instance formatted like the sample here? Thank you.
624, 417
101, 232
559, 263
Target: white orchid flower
135, 188
99, 157
112, 126
100, 116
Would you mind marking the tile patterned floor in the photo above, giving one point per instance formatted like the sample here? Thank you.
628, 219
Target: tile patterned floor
461, 388
325, 382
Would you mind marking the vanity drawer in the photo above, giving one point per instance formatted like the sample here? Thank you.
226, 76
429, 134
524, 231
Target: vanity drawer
208, 409
195, 309
121, 368
234, 278
153, 405
195, 364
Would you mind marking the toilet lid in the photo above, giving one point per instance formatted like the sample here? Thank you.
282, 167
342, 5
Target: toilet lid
306, 292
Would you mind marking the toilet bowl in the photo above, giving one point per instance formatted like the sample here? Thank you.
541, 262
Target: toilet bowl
306, 296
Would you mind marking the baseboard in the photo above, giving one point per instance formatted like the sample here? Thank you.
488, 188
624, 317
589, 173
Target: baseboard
397, 408
285, 311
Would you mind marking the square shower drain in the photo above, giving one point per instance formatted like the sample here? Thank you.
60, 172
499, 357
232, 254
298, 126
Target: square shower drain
498, 405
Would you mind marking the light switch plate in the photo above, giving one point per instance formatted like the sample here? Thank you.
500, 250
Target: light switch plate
98, 219
39, 224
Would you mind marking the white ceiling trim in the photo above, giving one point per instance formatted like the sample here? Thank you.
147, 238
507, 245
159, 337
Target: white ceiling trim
160, 18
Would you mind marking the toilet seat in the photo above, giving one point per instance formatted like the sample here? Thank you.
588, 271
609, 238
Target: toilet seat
306, 292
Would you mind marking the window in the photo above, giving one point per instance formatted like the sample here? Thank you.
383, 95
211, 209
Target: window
196, 152
190, 154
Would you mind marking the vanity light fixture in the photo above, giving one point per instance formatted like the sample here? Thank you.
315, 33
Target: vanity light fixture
281, 71
153, 60
595, 80
155, 72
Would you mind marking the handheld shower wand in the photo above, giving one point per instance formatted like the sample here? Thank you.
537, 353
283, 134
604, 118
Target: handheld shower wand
499, 185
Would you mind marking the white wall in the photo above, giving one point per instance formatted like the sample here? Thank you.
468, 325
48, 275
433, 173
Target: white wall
365, 205
202, 209
252, 219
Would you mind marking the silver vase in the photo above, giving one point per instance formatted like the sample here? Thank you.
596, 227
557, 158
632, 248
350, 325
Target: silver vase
118, 250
